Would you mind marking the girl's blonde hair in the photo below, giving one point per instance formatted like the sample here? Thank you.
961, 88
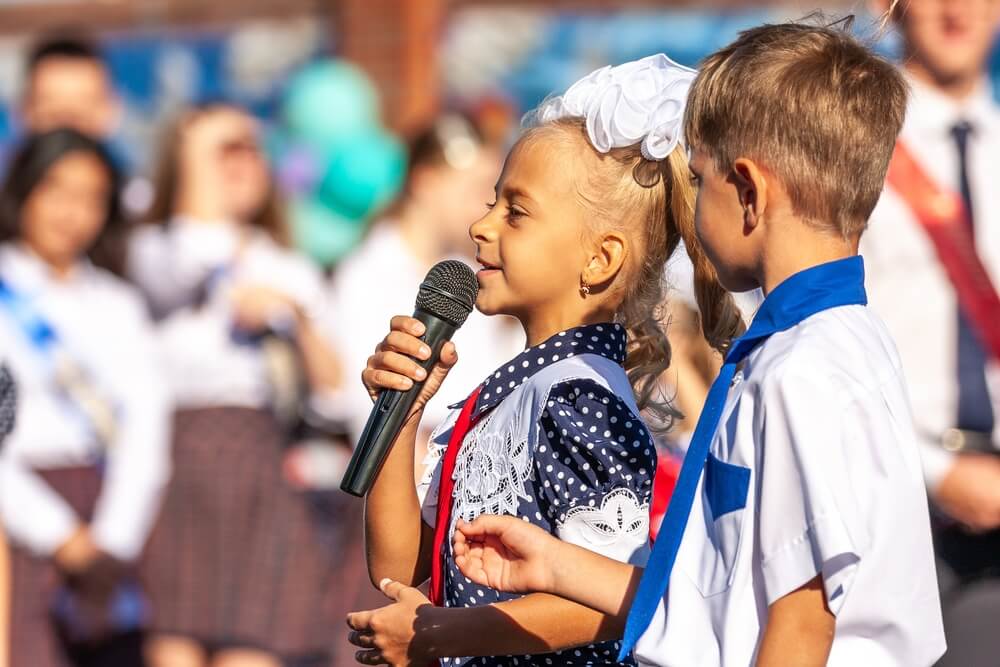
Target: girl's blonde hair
653, 203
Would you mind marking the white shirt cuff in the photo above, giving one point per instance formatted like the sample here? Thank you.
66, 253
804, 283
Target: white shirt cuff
936, 462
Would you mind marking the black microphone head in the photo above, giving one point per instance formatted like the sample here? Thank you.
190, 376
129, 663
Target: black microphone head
449, 291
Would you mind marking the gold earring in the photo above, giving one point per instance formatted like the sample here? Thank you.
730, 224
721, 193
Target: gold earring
584, 289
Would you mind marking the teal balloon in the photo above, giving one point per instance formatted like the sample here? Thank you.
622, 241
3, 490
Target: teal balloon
324, 235
363, 173
329, 100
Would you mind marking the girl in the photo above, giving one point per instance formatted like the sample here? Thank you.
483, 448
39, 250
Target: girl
586, 215
235, 569
82, 472
451, 171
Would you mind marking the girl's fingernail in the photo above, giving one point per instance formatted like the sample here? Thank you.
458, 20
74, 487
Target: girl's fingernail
425, 351
421, 373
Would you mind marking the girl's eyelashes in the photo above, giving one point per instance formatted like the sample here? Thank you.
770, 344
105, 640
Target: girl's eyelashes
490, 206
514, 214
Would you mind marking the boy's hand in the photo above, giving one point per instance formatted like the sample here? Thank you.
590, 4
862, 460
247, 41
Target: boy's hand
388, 636
507, 554
395, 362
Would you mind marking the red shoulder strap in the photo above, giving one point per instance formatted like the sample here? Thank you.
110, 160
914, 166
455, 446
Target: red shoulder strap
443, 521
943, 216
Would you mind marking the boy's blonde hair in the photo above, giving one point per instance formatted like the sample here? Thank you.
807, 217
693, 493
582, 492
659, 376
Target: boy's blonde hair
652, 202
814, 105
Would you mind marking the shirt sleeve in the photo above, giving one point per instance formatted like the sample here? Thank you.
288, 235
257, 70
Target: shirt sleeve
138, 463
171, 262
809, 519
34, 515
594, 466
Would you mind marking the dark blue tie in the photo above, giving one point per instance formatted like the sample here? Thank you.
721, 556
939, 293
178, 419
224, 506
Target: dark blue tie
839, 283
975, 411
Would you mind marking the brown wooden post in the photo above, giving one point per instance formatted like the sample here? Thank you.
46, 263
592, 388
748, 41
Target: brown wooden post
396, 43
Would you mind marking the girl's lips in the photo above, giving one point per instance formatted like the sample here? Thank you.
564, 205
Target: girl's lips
487, 271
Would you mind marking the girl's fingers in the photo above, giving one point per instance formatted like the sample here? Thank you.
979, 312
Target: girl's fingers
449, 355
485, 524
407, 324
372, 657
400, 364
362, 639
404, 343
377, 380
360, 621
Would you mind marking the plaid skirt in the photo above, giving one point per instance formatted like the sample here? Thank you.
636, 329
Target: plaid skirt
235, 559
34, 637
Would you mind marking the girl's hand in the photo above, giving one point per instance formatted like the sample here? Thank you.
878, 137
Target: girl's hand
388, 636
506, 554
395, 362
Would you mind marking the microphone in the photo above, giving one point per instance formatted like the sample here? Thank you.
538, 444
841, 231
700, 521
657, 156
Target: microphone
444, 301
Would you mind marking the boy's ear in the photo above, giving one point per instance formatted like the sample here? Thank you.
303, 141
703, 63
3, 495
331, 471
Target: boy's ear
751, 187
607, 260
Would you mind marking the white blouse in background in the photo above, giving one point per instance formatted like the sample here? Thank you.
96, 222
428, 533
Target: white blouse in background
906, 283
819, 416
102, 325
380, 280
186, 269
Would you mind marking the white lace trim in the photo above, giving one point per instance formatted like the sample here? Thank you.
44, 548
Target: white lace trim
620, 518
491, 470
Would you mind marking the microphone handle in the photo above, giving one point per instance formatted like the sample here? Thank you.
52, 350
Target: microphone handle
389, 413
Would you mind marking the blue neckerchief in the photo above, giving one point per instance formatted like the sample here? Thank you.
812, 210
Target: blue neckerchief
839, 283
35, 327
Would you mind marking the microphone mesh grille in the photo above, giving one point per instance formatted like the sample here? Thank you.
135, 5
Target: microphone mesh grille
449, 291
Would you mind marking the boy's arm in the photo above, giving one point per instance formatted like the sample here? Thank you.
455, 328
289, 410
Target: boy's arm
799, 629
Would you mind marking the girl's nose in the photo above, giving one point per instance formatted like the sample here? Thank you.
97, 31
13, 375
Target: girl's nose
483, 230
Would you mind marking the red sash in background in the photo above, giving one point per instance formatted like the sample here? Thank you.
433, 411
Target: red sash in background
943, 216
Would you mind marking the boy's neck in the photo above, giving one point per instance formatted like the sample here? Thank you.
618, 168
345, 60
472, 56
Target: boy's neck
798, 248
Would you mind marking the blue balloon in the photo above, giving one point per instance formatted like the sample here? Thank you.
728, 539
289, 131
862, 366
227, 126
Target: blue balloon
324, 235
363, 173
329, 100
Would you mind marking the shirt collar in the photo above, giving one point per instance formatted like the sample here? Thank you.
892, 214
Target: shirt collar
818, 288
27, 272
608, 340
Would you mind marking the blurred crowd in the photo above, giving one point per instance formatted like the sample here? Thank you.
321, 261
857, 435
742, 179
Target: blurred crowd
188, 380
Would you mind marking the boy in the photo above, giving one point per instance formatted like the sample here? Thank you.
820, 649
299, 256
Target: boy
798, 533
67, 84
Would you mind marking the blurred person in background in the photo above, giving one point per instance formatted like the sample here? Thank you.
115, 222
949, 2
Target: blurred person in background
235, 570
81, 474
451, 175
67, 84
949, 155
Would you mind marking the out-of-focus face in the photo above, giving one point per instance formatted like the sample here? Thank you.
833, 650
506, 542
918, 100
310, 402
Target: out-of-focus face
71, 92
243, 168
949, 38
719, 223
530, 243
63, 215
454, 196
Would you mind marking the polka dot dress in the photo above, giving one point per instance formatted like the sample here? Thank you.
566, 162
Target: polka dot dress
590, 444
8, 402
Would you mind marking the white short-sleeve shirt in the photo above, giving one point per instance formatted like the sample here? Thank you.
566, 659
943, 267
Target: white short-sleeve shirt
814, 469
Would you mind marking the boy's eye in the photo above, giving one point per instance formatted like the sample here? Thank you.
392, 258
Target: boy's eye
694, 178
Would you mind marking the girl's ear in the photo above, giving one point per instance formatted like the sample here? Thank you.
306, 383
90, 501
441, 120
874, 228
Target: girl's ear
607, 259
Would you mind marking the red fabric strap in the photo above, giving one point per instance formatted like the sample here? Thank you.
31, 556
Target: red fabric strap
466, 421
944, 218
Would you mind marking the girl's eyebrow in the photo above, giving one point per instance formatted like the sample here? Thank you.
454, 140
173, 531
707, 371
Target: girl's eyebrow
512, 191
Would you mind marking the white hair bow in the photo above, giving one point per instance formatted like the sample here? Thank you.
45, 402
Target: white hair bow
639, 101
